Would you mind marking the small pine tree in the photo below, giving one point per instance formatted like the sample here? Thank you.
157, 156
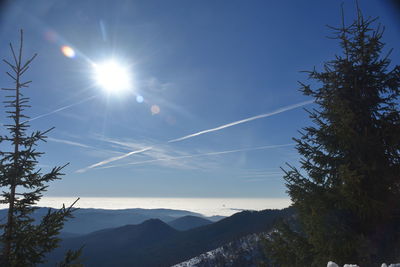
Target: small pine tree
25, 242
348, 191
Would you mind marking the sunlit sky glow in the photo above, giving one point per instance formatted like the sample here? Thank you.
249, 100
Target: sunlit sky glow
174, 98
112, 76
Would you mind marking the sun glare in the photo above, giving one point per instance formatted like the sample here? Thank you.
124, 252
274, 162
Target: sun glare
112, 76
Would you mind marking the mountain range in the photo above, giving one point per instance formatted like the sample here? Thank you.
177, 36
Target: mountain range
155, 243
89, 220
188, 222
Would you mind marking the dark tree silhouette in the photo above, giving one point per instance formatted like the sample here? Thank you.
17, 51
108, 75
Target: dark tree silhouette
25, 242
348, 189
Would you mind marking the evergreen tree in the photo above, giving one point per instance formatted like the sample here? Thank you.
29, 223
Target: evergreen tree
347, 192
25, 242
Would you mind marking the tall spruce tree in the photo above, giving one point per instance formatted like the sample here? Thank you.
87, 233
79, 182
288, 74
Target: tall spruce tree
347, 192
25, 242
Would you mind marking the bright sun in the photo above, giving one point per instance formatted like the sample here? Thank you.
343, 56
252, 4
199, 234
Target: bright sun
112, 76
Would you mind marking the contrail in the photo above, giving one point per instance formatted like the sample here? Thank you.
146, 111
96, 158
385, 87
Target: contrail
280, 110
113, 159
201, 155
67, 142
60, 109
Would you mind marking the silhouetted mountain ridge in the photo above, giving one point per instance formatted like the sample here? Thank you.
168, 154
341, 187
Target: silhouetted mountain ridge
154, 243
90, 220
188, 222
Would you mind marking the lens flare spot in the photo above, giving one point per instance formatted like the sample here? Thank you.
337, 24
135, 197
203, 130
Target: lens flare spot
68, 51
50, 36
139, 99
155, 109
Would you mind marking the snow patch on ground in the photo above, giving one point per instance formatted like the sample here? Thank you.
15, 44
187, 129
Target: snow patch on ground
332, 264
246, 251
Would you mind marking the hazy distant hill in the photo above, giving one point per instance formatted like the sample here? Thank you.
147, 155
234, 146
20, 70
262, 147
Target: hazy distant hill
154, 243
188, 222
90, 220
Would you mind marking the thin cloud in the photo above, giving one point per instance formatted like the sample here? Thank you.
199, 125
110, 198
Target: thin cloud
67, 142
133, 147
96, 151
60, 109
126, 145
113, 159
280, 110
155, 152
156, 85
200, 155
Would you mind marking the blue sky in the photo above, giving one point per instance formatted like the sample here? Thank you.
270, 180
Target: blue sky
204, 64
